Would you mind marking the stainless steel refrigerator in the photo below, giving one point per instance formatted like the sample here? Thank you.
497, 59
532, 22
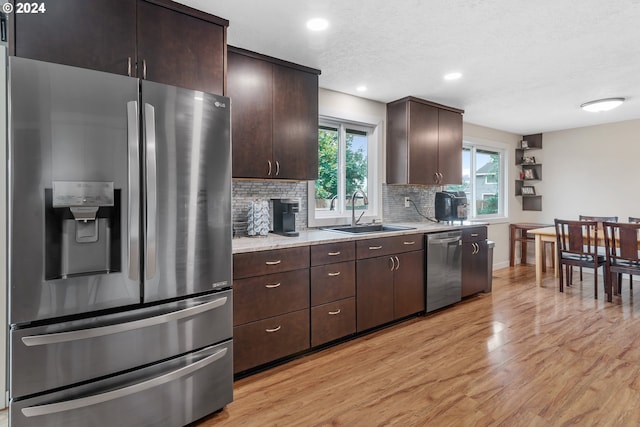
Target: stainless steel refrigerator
120, 301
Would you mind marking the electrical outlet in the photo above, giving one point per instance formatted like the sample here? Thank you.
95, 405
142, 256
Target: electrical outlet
406, 202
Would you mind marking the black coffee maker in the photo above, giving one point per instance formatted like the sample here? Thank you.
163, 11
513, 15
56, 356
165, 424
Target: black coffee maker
284, 216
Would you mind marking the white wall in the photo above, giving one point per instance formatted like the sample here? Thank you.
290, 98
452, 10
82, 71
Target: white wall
591, 171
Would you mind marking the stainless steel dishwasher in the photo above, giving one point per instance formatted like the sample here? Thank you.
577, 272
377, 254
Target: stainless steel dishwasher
444, 270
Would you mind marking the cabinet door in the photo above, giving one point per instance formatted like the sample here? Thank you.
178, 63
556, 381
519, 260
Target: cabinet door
408, 284
450, 146
180, 50
295, 123
333, 320
423, 143
250, 87
374, 292
96, 34
474, 267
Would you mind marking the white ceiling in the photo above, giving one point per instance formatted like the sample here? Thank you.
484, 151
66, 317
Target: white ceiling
527, 65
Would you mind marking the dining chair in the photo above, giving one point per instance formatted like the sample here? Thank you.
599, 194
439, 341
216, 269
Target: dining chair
577, 246
599, 220
634, 220
622, 244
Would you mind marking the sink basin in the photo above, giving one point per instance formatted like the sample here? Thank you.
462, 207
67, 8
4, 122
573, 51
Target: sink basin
368, 228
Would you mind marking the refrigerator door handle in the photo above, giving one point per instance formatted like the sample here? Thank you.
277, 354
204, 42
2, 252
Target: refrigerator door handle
82, 334
133, 202
151, 193
52, 408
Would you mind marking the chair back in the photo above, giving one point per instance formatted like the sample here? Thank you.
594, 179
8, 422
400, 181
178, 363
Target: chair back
576, 237
598, 219
634, 219
621, 241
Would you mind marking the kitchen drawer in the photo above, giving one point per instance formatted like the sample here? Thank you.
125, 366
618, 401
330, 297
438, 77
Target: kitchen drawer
266, 262
333, 252
260, 297
389, 245
175, 392
58, 355
270, 339
474, 234
332, 321
333, 282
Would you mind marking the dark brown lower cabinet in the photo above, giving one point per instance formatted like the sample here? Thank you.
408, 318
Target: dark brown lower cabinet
260, 342
475, 254
333, 320
389, 288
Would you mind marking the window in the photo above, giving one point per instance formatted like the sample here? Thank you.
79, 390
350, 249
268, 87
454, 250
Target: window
347, 154
483, 179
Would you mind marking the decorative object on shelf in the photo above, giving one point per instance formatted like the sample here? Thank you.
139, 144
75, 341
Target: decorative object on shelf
524, 144
528, 160
528, 190
529, 174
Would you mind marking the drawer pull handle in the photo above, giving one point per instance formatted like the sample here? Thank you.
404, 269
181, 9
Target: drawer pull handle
272, 285
474, 234
273, 329
374, 248
333, 313
273, 262
337, 273
410, 243
334, 253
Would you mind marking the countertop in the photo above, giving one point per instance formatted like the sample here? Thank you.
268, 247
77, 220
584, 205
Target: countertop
319, 236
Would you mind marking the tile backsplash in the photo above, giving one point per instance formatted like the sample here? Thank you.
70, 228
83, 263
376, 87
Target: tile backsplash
393, 210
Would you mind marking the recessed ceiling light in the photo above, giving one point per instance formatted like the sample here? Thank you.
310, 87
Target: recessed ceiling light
317, 24
452, 76
361, 88
602, 104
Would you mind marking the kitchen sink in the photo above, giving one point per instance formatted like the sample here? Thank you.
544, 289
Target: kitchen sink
368, 228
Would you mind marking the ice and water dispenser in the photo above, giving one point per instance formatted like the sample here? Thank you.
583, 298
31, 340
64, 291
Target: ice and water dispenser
82, 228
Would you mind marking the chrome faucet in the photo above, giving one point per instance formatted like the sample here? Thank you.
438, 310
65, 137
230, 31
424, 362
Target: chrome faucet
365, 199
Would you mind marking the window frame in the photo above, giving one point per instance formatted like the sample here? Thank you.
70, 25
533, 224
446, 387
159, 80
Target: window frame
342, 216
475, 144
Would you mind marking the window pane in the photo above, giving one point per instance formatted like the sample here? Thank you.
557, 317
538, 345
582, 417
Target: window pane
327, 182
356, 166
487, 182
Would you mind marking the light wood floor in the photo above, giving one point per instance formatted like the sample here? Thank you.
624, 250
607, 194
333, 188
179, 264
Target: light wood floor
520, 356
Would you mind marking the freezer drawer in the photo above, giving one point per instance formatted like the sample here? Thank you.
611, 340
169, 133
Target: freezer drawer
173, 393
59, 355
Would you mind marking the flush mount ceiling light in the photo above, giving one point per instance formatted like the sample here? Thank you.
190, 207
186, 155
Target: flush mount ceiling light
602, 104
361, 88
317, 24
452, 76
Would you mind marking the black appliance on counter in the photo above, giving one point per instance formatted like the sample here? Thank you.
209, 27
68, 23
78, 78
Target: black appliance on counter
284, 216
451, 206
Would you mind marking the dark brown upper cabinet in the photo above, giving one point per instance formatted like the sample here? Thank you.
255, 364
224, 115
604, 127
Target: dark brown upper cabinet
424, 143
158, 40
274, 117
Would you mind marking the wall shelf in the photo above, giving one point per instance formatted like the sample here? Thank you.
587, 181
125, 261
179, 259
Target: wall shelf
530, 172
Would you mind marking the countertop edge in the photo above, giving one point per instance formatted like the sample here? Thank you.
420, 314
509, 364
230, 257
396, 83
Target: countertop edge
313, 237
